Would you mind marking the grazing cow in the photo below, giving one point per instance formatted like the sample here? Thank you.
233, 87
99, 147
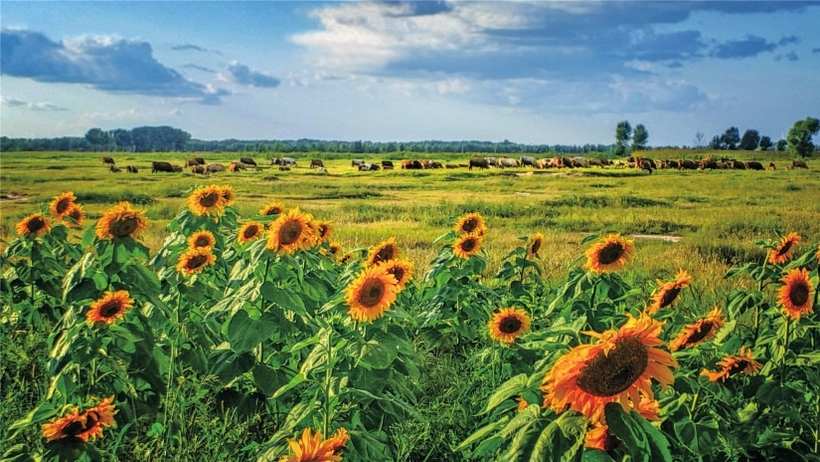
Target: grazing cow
213, 168
411, 165
368, 167
527, 161
491, 161
507, 162
114, 169
191, 162
645, 164
754, 165
708, 164
321, 170
356, 162
161, 167
595, 162
434, 164
276, 161
131, 169
236, 166
772, 166
672, 164
737, 165
108, 160
199, 160
387, 164
578, 161
567, 162
799, 164
176, 168
316, 163
478, 162
199, 169
248, 161
688, 165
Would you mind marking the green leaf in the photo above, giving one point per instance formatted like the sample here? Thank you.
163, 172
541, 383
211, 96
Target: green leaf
507, 390
622, 426
482, 432
266, 378
375, 355
295, 381
283, 297
596, 455
230, 365
687, 434
245, 333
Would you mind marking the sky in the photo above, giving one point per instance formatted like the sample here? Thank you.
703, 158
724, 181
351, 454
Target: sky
540, 72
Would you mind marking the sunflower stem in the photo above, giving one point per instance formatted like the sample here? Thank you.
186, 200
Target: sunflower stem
328, 377
785, 350
694, 404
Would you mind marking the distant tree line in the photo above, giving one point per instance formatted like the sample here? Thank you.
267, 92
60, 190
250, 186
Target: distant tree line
797, 142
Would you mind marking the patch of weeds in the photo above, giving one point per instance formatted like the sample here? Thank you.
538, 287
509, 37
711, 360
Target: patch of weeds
636, 201
460, 176
345, 195
696, 199
114, 197
601, 185
590, 202
793, 187
270, 178
56, 167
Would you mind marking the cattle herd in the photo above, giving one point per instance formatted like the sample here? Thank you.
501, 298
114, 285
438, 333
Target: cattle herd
197, 165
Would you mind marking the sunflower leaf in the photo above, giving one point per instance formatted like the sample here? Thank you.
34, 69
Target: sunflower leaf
507, 390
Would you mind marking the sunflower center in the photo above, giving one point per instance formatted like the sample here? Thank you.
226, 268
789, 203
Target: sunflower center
469, 225
250, 231
124, 226
397, 273
738, 367
323, 229
62, 205
609, 375
289, 232
535, 247
75, 214
371, 293
509, 325
384, 254
799, 294
610, 253
74, 428
701, 333
468, 245
784, 248
196, 262
36, 224
110, 309
203, 241
210, 199
669, 296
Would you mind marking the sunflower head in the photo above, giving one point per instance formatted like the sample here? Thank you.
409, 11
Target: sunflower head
783, 252
75, 212
668, 291
508, 324
470, 223
249, 231
467, 245
82, 425
401, 270
202, 239
535, 245
290, 232
195, 261
385, 251
339, 440
311, 448
701, 331
110, 307
742, 363
325, 229
228, 194
796, 294
61, 204
34, 225
617, 368
272, 208
335, 248
371, 294
207, 200
119, 221
610, 253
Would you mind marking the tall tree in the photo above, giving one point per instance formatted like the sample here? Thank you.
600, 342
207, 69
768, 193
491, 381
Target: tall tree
750, 140
730, 138
639, 137
781, 145
799, 137
716, 143
623, 132
699, 139
765, 143
97, 138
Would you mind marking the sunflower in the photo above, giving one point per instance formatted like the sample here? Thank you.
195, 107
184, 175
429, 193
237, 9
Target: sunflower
61, 204
402, 270
195, 260
702, 330
471, 223
467, 245
371, 294
121, 220
506, 325
272, 208
339, 440
75, 212
111, 306
290, 232
202, 239
385, 251
535, 245
668, 291
35, 224
599, 436
783, 252
86, 425
311, 448
610, 254
206, 200
335, 248
325, 229
796, 294
249, 231
618, 368
228, 195
733, 365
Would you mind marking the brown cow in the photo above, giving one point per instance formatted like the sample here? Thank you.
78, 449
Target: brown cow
799, 164
478, 162
108, 160
131, 169
213, 168
114, 169
772, 166
236, 166
176, 168
387, 164
198, 169
411, 165
754, 165
161, 167
737, 165
708, 164
248, 160
191, 162
316, 163
688, 165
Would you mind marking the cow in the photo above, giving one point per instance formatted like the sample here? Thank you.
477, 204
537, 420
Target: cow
544, 163
799, 164
213, 168
131, 169
199, 160
321, 170
108, 160
579, 161
316, 163
236, 166
433, 164
688, 165
672, 164
708, 164
527, 161
450, 165
368, 167
595, 162
387, 164
176, 168
199, 169
772, 166
478, 162
644, 164
356, 162
737, 165
411, 165
276, 161
754, 165
507, 162
248, 161
491, 161
567, 162
161, 167
191, 162
114, 169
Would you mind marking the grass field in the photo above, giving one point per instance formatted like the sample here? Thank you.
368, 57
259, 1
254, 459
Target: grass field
229, 363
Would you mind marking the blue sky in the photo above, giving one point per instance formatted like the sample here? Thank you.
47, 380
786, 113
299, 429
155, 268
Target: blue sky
544, 72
